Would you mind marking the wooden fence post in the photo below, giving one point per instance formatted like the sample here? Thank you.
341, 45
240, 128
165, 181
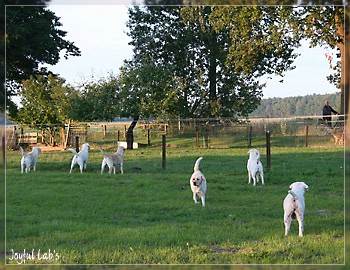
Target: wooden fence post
307, 136
15, 135
67, 137
148, 136
164, 151
104, 131
268, 149
249, 131
77, 143
197, 137
206, 137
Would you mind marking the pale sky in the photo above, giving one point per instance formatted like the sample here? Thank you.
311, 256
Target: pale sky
100, 33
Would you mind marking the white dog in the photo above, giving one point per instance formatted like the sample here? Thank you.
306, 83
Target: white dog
198, 183
294, 206
255, 167
80, 158
113, 159
29, 159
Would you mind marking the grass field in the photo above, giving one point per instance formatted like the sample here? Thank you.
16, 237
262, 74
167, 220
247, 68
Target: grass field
147, 215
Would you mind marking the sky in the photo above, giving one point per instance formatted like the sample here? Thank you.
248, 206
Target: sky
99, 31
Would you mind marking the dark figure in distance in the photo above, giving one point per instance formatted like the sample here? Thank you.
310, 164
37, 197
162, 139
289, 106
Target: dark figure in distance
327, 112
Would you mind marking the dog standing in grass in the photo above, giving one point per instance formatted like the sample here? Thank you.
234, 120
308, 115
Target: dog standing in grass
255, 167
198, 183
294, 206
80, 158
29, 159
112, 160
338, 136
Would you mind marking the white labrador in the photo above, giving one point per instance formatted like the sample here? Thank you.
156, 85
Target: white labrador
113, 159
294, 206
198, 183
80, 158
29, 159
255, 167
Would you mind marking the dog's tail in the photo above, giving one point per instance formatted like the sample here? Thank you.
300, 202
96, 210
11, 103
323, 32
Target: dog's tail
103, 152
73, 151
196, 165
22, 151
291, 192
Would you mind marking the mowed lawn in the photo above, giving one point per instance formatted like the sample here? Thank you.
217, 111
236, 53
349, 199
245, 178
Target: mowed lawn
147, 215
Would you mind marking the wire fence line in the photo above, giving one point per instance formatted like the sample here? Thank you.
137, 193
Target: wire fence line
200, 132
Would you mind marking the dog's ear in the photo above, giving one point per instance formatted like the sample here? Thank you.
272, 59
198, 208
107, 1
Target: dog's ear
306, 187
292, 185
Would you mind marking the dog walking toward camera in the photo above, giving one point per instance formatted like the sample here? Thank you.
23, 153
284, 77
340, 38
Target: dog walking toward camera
198, 183
29, 159
80, 158
112, 160
255, 167
294, 206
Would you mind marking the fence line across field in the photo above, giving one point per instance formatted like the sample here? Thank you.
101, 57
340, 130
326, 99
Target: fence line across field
200, 132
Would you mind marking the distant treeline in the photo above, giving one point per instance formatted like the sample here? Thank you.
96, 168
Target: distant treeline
296, 106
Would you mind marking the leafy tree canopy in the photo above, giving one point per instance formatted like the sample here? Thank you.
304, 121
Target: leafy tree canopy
97, 101
324, 22
46, 101
203, 62
33, 37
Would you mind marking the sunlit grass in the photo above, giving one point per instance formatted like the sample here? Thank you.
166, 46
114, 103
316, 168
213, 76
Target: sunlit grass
147, 215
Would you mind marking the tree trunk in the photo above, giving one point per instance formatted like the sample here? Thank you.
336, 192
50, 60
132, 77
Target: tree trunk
130, 133
346, 77
52, 133
344, 37
344, 57
213, 100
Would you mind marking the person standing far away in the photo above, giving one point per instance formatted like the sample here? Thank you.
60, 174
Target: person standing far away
327, 112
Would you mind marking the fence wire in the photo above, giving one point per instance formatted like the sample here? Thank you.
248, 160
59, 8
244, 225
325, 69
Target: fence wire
204, 133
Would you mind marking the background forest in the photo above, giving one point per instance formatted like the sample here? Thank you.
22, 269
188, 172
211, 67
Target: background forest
296, 106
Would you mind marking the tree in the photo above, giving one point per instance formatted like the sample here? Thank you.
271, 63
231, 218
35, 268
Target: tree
47, 102
33, 37
325, 26
143, 93
97, 101
254, 43
195, 54
155, 71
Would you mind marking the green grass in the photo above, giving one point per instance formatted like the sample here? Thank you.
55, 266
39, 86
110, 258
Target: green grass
147, 216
